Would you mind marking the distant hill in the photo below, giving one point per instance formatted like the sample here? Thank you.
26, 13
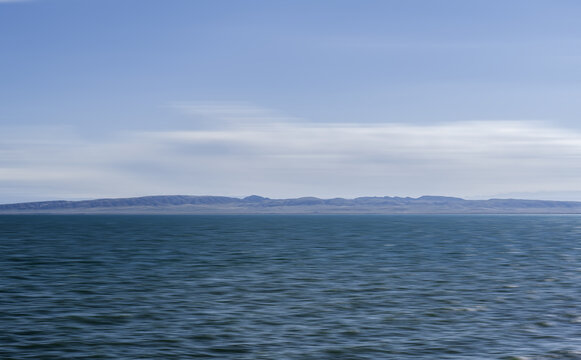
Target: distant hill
184, 204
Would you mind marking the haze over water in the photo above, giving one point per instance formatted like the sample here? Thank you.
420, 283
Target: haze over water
290, 287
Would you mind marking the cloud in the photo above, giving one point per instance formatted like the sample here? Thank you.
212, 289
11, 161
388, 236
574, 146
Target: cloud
234, 113
282, 158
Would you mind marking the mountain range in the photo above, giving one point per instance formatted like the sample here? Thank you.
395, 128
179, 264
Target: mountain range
185, 204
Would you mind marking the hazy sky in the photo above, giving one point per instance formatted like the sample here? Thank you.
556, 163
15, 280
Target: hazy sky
281, 98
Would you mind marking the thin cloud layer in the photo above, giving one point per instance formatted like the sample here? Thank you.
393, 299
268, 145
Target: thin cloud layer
237, 113
281, 158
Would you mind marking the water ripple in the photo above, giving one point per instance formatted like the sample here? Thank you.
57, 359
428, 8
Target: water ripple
290, 287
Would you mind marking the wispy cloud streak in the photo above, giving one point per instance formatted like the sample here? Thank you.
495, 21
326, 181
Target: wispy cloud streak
275, 157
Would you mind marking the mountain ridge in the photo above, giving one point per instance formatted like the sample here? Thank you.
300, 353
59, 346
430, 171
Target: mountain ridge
255, 204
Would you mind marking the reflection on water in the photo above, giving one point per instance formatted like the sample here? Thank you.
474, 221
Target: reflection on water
290, 287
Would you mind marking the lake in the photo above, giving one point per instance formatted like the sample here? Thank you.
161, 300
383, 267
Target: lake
290, 287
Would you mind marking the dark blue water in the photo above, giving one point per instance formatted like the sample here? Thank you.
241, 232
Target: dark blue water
290, 287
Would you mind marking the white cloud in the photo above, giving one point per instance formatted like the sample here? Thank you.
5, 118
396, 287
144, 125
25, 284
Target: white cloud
234, 113
280, 158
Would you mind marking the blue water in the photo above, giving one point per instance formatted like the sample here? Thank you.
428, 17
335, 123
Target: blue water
290, 287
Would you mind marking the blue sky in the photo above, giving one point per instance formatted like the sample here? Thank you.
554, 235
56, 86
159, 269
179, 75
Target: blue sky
110, 98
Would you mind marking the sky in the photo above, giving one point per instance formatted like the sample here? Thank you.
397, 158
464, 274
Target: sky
279, 98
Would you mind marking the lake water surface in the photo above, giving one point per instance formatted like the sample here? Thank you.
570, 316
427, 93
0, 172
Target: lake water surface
290, 287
